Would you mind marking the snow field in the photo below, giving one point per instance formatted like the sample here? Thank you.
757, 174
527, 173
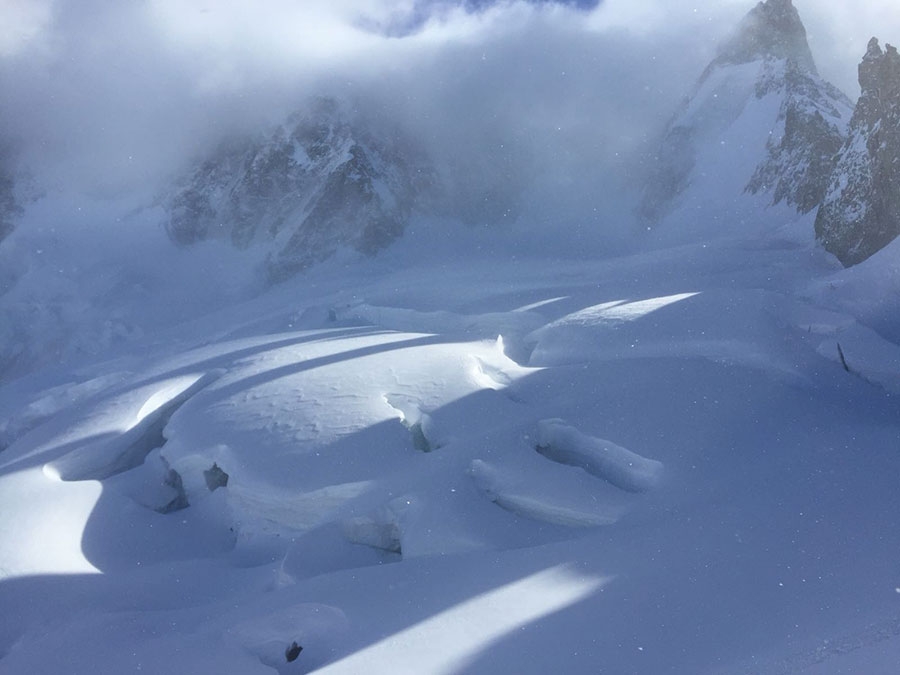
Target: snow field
410, 500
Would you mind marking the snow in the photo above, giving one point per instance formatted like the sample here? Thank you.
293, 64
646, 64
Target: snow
724, 172
46, 535
448, 641
728, 128
484, 450
402, 495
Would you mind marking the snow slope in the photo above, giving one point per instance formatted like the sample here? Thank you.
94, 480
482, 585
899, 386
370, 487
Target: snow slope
648, 464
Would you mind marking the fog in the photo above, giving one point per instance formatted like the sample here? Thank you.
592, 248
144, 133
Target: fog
108, 97
106, 102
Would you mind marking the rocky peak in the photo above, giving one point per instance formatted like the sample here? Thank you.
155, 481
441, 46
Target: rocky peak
879, 82
771, 29
861, 214
767, 60
879, 72
325, 179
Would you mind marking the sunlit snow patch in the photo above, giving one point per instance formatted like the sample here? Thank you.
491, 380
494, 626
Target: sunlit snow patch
491, 376
629, 311
45, 518
446, 642
599, 331
619, 311
541, 303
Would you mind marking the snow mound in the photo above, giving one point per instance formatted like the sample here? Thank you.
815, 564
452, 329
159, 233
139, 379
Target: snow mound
315, 628
382, 530
616, 465
540, 502
127, 450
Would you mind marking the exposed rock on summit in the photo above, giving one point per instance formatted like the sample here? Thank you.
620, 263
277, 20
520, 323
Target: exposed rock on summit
772, 29
861, 213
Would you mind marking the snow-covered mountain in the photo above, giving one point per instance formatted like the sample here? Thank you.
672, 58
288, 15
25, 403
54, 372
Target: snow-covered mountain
761, 122
861, 213
323, 180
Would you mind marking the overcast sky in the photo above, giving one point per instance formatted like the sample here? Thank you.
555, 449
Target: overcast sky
116, 93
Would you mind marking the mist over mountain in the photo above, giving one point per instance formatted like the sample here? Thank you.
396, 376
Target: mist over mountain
321, 181
773, 29
525, 128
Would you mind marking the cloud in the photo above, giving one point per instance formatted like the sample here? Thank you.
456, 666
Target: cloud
23, 23
111, 96
838, 36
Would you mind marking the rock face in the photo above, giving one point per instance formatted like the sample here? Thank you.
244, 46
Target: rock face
9, 208
861, 213
760, 117
320, 182
812, 124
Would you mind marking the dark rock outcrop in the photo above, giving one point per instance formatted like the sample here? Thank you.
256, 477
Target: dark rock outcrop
812, 124
861, 213
9, 207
